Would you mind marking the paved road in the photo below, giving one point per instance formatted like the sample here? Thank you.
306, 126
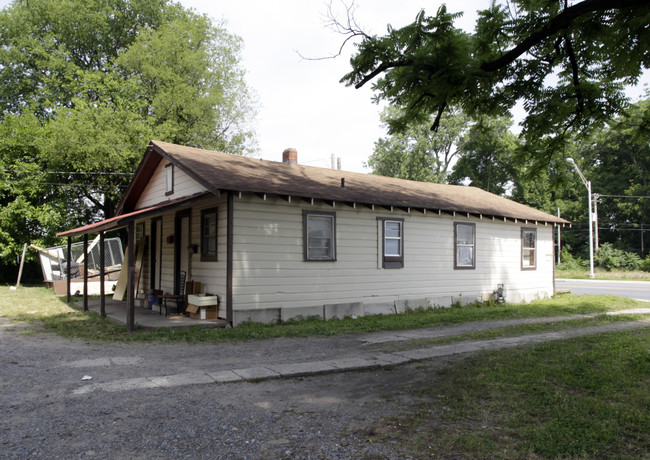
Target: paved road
634, 289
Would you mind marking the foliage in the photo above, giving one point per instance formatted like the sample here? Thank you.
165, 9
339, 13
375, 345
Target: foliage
86, 85
487, 156
417, 153
569, 262
567, 62
611, 258
645, 264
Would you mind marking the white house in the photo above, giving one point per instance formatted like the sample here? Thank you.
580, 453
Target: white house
277, 239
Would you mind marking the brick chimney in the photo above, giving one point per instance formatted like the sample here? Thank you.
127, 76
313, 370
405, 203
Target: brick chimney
290, 156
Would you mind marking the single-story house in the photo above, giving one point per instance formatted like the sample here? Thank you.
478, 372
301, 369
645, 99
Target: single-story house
276, 240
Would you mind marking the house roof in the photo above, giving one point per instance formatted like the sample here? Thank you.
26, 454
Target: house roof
220, 171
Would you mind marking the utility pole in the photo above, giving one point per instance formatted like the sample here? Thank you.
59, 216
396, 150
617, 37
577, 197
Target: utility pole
596, 198
591, 222
559, 249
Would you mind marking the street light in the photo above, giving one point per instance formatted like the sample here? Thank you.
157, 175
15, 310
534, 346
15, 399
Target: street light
591, 236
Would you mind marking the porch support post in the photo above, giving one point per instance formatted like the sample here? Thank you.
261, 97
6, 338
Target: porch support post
229, 254
68, 258
85, 259
102, 274
130, 287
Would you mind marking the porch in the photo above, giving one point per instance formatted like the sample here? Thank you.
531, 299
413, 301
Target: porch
116, 311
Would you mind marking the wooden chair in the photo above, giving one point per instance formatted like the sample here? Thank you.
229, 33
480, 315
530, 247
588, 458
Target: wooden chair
178, 298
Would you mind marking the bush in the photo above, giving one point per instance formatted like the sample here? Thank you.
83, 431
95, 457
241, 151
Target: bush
610, 258
645, 265
569, 262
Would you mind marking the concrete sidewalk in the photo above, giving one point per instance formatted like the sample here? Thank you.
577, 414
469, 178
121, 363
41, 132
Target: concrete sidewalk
364, 358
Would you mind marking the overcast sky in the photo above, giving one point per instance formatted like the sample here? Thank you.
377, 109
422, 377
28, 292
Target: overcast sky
302, 103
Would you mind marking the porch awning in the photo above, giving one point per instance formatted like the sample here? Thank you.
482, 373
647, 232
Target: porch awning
124, 219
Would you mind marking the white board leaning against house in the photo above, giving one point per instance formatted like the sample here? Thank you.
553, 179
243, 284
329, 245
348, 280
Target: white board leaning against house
277, 240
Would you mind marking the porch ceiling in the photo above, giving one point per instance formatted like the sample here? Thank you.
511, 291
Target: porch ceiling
124, 219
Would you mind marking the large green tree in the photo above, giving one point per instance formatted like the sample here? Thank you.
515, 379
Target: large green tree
567, 61
487, 156
86, 84
417, 153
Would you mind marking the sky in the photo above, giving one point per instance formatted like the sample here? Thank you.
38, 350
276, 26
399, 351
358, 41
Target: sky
302, 103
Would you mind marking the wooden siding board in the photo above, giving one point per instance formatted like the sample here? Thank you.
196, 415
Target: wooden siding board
269, 271
154, 192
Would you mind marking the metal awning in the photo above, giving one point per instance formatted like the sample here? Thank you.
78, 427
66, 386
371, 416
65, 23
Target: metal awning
124, 219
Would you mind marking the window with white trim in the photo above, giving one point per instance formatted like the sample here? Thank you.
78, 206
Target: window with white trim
392, 242
319, 236
528, 248
464, 245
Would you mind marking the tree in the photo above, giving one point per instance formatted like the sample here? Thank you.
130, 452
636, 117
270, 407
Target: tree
86, 85
567, 61
487, 156
417, 153
621, 174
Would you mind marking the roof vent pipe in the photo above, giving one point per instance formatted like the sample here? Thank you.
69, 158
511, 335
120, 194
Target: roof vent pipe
290, 156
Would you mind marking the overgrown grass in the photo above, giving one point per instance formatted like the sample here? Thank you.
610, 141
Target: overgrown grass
580, 398
42, 308
604, 274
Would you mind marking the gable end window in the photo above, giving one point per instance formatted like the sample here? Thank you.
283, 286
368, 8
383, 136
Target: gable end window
169, 179
464, 246
528, 248
392, 238
209, 235
319, 236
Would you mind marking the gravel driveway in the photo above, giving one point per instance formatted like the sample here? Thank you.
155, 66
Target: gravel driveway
325, 416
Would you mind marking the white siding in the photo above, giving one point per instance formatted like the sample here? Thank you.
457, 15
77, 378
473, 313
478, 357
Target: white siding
269, 270
154, 193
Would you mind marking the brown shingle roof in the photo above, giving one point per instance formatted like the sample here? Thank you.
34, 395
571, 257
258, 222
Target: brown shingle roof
220, 171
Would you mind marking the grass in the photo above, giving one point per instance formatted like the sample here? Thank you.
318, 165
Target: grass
590, 400
506, 331
604, 275
48, 312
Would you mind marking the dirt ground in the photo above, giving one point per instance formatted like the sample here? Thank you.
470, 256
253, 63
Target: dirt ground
326, 416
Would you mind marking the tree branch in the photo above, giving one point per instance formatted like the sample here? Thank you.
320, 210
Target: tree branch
574, 71
558, 23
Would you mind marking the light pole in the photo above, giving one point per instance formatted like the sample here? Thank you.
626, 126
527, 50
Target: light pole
591, 235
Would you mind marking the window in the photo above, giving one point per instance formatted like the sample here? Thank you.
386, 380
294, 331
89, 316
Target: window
169, 179
465, 244
392, 242
319, 235
528, 248
209, 235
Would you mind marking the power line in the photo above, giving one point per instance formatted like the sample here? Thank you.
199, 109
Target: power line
66, 173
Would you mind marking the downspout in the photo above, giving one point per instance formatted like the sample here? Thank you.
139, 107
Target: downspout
229, 256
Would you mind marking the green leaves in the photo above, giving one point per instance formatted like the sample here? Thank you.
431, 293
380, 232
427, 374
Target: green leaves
88, 83
567, 63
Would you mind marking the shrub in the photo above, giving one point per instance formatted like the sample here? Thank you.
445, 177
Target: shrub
569, 262
610, 258
645, 265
